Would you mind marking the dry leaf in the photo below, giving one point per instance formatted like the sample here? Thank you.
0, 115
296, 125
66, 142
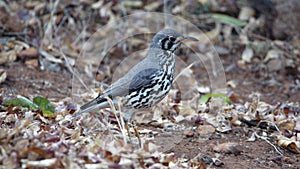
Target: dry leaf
247, 54
189, 133
275, 64
252, 138
246, 13
232, 83
7, 57
228, 148
3, 75
273, 54
32, 62
36, 164
205, 130
286, 124
289, 145
28, 53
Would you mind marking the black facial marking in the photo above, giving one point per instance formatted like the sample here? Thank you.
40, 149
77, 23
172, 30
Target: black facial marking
167, 43
164, 42
172, 39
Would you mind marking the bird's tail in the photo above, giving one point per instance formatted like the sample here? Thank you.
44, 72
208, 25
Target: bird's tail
97, 103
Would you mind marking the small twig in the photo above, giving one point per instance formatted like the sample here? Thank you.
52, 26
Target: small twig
266, 140
188, 67
259, 37
72, 71
15, 33
122, 126
114, 110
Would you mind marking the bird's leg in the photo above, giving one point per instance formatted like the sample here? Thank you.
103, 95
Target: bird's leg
136, 133
130, 122
127, 126
127, 118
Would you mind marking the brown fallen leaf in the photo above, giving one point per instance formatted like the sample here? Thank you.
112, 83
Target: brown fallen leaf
32, 63
167, 158
286, 124
202, 165
7, 57
37, 150
206, 130
28, 53
228, 148
189, 133
289, 145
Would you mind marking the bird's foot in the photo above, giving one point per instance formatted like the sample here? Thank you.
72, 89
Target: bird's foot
136, 133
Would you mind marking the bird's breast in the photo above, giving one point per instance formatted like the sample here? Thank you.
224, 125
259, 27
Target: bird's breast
160, 85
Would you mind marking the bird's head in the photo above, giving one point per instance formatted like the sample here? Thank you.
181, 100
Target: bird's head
169, 39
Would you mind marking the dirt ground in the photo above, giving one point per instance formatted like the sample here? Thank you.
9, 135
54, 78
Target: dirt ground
276, 86
258, 154
58, 85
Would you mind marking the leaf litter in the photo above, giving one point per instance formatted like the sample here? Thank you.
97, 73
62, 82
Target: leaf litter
30, 138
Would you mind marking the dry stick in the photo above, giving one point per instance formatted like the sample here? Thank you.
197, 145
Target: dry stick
121, 123
266, 140
273, 123
72, 71
121, 114
49, 25
188, 67
111, 104
123, 126
84, 29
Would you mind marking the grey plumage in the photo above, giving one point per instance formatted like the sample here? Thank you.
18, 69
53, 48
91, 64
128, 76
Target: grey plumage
149, 81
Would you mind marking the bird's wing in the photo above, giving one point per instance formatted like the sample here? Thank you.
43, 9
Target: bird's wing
134, 80
125, 85
142, 79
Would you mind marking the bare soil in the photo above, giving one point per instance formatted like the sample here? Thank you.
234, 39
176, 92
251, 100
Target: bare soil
30, 81
274, 86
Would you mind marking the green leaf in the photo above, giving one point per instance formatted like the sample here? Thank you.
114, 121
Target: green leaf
19, 101
228, 20
44, 104
206, 97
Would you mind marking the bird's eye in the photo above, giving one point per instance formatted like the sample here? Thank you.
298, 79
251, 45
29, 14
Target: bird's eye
172, 39
169, 43
166, 44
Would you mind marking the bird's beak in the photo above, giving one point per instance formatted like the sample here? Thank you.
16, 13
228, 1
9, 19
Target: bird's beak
188, 38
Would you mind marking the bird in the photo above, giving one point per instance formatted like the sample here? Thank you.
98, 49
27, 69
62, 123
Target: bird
148, 82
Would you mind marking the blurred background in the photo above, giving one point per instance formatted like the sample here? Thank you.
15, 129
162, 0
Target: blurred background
257, 41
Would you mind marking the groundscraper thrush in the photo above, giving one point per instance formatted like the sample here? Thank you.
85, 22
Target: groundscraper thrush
149, 81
